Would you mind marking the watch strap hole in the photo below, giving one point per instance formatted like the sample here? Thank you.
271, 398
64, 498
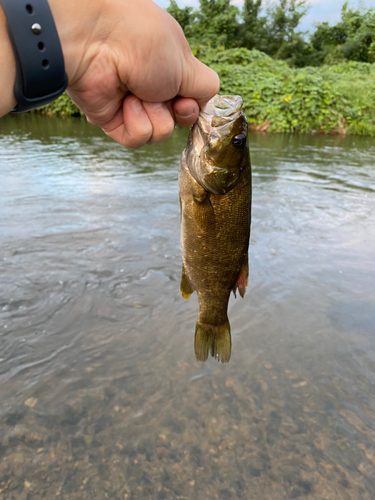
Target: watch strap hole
40, 71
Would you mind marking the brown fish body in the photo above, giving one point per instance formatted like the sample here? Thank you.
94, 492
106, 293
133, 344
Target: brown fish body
215, 226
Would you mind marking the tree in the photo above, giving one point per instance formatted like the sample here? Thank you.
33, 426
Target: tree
274, 31
217, 23
353, 38
284, 42
185, 17
252, 32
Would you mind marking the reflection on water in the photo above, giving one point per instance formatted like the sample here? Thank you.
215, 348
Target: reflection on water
100, 393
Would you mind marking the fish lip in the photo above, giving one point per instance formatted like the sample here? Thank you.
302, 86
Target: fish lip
217, 117
224, 106
199, 138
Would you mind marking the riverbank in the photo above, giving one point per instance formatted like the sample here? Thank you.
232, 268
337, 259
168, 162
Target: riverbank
338, 99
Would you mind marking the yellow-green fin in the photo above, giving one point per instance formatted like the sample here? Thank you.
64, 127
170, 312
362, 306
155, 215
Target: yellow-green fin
213, 339
186, 288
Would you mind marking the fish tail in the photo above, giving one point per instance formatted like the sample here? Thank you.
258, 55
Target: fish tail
213, 339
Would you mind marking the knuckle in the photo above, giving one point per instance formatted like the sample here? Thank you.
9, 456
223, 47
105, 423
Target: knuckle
132, 144
163, 129
138, 137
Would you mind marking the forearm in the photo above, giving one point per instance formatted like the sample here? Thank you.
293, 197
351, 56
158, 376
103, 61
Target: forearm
7, 69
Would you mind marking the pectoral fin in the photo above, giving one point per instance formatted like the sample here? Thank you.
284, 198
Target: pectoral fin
243, 278
186, 288
199, 193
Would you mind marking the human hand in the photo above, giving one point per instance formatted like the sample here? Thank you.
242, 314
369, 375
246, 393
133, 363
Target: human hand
127, 61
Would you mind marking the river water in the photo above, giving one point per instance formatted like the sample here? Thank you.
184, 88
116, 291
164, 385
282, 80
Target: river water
100, 393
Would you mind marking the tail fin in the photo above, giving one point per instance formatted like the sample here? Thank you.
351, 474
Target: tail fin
213, 339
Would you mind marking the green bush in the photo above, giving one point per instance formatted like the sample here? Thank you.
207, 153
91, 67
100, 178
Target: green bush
277, 98
63, 106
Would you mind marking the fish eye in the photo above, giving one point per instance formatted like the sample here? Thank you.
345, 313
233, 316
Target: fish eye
238, 140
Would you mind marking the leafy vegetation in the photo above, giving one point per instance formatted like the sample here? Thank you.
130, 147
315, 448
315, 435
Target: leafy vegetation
352, 39
337, 99
277, 98
275, 30
63, 106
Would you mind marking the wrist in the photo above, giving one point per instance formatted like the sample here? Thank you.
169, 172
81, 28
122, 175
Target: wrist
75, 23
8, 68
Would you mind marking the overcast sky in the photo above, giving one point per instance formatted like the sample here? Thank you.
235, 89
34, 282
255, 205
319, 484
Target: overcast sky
320, 10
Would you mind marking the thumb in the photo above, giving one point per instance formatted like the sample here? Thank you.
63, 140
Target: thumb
198, 81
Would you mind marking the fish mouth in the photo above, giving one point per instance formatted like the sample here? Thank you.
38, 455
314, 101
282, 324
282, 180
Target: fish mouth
224, 106
215, 120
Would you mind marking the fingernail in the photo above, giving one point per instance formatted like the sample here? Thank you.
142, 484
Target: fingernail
185, 113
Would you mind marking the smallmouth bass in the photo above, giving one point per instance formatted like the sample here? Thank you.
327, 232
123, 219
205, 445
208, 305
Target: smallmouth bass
215, 202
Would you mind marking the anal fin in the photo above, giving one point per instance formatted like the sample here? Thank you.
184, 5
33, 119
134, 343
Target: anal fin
186, 288
243, 278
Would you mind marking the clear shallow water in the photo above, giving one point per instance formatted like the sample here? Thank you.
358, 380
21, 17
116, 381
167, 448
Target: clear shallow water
100, 393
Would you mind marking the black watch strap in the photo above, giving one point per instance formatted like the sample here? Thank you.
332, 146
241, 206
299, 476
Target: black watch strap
41, 76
